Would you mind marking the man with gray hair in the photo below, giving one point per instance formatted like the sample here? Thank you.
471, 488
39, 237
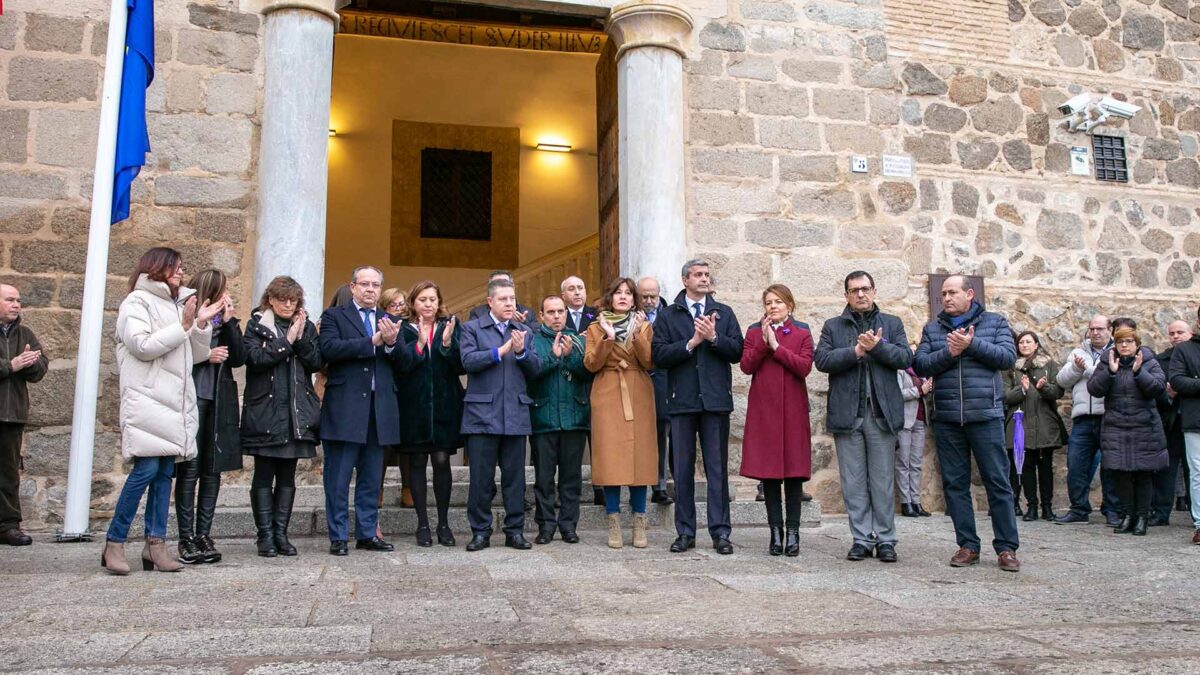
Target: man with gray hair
696, 339
579, 315
649, 294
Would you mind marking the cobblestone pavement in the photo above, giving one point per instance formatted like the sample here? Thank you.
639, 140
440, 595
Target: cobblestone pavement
1087, 601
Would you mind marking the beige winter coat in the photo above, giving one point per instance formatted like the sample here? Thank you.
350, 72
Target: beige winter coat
155, 357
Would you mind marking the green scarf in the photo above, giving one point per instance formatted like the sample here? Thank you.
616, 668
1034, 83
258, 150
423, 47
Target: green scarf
620, 324
549, 334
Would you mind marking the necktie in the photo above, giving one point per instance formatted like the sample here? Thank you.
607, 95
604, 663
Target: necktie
696, 309
367, 324
575, 318
502, 326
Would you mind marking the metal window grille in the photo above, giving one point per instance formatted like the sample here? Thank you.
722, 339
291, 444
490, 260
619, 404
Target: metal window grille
1109, 155
456, 194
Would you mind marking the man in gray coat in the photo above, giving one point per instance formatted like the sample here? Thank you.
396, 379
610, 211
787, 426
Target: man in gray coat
496, 415
861, 350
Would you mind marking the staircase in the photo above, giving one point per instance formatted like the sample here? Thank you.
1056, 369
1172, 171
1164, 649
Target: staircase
233, 518
543, 276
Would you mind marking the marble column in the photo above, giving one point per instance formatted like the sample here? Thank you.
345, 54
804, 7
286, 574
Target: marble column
650, 38
293, 154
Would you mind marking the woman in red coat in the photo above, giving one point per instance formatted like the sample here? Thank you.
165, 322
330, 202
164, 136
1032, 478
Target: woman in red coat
777, 443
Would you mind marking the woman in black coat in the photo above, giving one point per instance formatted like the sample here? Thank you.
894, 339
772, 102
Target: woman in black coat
281, 414
431, 404
1132, 442
217, 440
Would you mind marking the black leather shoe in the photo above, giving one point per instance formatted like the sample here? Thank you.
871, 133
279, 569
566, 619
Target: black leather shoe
1071, 517
339, 548
544, 537
1031, 515
374, 544
682, 543
188, 553
1047, 512
208, 550
445, 535
858, 552
804, 496
1157, 520
886, 553
791, 546
661, 497
1139, 526
570, 537
921, 510
722, 545
479, 542
15, 537
776, 545
1181, 504
760, 496
1112, 520
517, 541
908, 511
1124, 525
1017, 508
424, 537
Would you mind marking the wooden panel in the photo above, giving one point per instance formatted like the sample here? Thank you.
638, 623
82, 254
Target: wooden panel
606, 159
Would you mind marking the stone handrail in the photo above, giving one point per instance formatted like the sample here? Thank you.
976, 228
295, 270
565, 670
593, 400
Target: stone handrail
541, 277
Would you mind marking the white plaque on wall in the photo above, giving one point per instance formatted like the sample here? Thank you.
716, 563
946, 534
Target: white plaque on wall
899, 166
1081, 165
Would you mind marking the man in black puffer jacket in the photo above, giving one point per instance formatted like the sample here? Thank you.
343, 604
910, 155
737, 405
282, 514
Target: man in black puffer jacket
696, 339
965, 350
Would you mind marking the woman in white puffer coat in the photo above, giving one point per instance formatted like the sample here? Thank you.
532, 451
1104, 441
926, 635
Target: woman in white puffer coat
160, 334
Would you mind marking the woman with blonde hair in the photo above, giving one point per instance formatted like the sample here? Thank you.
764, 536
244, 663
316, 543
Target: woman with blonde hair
624, 422
217, 443
282, 414
162, 331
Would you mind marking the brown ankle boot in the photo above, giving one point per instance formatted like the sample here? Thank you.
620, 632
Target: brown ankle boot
639, 530
614, 531
155, 556
113, 558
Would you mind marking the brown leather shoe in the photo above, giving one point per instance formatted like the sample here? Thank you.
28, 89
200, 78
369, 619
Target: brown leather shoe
15, 537
965, 557
1009, 562
1196, 537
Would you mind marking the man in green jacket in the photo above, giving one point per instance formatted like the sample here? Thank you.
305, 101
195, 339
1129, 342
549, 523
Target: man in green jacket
559, 414
21, 362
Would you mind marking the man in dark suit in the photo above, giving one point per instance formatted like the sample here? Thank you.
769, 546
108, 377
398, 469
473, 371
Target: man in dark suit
1178, 332
579, 315
652, 303
496, 415
522, 313
695, 340
359, 411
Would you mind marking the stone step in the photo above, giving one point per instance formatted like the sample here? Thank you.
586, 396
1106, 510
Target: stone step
233, 496
237, 522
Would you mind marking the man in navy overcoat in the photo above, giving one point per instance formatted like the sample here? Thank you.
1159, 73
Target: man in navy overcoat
359, 414
496, 414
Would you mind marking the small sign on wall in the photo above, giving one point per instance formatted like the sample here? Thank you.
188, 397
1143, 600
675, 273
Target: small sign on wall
1081, 164
899, 166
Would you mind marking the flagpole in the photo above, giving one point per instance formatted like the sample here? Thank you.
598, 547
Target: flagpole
91, 323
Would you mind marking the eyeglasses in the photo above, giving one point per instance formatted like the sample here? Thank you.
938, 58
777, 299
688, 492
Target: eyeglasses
861, 290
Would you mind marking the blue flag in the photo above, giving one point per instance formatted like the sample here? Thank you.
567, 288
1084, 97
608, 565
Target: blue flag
133, 141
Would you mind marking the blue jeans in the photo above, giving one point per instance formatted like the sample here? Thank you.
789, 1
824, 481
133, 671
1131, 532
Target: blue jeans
955, 446
155, 472
1083, 457
612, 498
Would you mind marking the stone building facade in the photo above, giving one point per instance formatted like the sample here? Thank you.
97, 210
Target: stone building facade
777, 98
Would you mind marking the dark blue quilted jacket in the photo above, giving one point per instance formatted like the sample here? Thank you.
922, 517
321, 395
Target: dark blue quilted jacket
967, 388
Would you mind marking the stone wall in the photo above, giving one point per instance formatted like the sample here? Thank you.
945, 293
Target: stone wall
781, 94
196, 193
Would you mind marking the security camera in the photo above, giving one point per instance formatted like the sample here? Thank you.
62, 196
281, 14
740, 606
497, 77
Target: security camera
1116, 108
1075, 105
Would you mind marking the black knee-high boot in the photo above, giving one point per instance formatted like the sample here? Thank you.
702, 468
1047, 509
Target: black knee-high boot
793, 493
262, 505
185, 511
206, 507
285, 497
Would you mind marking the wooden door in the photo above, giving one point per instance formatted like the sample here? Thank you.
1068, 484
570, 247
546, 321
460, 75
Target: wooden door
606, 159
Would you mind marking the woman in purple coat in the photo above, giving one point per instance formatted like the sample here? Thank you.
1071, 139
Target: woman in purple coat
777, 442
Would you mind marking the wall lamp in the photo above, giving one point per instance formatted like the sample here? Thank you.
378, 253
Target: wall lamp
553, 147
332, 133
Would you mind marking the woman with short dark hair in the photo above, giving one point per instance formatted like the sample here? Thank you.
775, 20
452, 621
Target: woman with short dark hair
1032, 388
218, 443
281, 413
162, 330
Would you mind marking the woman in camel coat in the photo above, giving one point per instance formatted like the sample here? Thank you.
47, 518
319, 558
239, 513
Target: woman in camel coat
624, 424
